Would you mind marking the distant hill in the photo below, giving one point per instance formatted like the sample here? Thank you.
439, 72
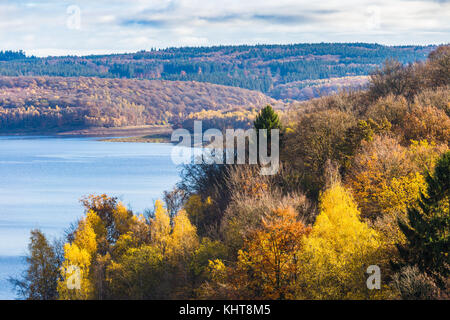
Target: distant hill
61, 104
308, 89
266, 68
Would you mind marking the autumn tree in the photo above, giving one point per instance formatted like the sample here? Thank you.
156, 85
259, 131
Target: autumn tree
386, 177
159, 268
395, 78
439, 67
205, 188
76, 272
364, 130
39, 281
269, 257
426, 123
246, 213
335, 256
313, 143
266, 266
140, 273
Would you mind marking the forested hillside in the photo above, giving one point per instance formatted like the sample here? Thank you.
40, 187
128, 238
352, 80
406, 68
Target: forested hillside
363, 185
309, 89
56, 103
266, 68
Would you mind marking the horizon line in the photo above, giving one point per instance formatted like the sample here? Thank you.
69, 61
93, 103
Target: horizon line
124, 52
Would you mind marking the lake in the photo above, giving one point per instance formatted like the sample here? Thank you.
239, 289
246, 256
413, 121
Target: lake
43, 178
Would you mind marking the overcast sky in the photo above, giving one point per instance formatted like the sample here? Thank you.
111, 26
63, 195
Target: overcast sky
61, 27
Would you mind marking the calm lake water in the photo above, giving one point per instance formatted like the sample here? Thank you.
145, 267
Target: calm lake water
43, 178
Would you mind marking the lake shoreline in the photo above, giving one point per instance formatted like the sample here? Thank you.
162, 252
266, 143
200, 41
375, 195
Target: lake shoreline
154, 138
119, 132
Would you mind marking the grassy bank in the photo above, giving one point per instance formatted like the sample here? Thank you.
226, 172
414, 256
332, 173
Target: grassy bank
152, 138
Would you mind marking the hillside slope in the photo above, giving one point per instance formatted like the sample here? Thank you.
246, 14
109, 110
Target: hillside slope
309, 89
59, 104
262, 67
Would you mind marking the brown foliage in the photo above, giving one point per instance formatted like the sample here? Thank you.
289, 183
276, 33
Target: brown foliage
28, 103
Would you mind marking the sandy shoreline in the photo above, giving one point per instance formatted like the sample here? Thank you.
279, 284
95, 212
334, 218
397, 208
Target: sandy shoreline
122, 132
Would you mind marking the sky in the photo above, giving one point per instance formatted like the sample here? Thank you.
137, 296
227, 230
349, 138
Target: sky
81, 27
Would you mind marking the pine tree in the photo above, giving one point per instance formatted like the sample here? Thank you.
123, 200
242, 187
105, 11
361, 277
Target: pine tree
267, 119
427, 229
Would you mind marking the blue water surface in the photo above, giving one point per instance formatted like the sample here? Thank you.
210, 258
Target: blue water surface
43, 178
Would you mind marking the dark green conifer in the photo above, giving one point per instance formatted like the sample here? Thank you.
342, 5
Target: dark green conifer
427, 228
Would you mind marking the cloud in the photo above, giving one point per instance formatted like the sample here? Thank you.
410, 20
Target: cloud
283, 19
146, 23
131, 25
222, 18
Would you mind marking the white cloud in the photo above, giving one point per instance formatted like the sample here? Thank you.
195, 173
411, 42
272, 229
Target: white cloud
40, 27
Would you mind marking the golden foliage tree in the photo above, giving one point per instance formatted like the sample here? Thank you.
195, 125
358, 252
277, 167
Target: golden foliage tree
335, 255
76, 282
269, 257
386, 177
267, 266
160, 227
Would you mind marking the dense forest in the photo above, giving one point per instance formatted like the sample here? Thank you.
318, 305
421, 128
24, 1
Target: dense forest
364, 181
263, 67
57, 104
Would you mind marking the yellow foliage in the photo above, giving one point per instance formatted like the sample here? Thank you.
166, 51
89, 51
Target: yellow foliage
122, 218
96, 223
160, 227
425, 154
184, 235
338, 251
79, 255
386, 177
217, 270
85, 237
397, 196
177, 240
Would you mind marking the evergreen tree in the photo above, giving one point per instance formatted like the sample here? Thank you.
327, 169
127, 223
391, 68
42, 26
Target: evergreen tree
427, 229
267, 119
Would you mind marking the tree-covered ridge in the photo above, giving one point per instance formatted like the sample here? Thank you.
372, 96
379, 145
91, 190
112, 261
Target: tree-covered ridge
309, 89
57, 103
9, 55
363, 186
261, 67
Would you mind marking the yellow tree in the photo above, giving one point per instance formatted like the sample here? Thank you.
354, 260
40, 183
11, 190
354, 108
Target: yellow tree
335, 256
375, 166
386, 177
181, 247
176, 238
138, 274
159, 267
160, 227
76, 281
183, 239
